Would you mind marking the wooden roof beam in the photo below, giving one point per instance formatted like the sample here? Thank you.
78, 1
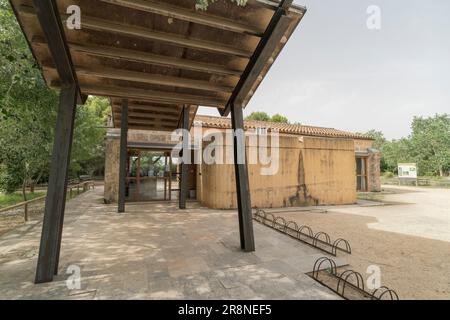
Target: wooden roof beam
148, 78
177, 12
144, 33
152, 95
51, 25
146, 115
148, 127
169, 109
147, 121
144, 57
272, 37
120, 74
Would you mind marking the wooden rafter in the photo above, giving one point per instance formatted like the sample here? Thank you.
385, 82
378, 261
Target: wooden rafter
147, 115
177, 12
143, 77
91, 23
145, 57
152, 95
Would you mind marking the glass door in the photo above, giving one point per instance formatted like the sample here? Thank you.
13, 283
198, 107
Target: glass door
361, 174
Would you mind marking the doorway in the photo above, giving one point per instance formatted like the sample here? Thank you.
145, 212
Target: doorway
150, 176
361, 174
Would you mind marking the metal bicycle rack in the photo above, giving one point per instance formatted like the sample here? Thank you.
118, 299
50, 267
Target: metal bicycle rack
343, 282
320, 240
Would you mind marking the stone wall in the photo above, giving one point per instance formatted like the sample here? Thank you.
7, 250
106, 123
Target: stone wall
112, 151
374, 183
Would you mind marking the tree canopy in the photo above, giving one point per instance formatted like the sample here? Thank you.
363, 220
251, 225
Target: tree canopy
28, 116
263, 116
428, 146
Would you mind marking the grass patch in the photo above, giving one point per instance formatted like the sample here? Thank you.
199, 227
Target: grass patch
7, 200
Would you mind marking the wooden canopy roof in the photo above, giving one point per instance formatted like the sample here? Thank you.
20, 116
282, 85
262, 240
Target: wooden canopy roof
161, 55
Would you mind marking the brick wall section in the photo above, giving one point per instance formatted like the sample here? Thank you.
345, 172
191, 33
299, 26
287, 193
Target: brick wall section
374, 182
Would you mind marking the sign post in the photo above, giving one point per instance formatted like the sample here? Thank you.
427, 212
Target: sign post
407, 172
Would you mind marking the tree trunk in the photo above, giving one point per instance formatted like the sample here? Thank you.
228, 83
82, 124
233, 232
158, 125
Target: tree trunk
34, 182
24, 189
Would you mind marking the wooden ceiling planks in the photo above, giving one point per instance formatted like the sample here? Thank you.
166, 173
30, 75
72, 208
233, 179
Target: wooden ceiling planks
164, 53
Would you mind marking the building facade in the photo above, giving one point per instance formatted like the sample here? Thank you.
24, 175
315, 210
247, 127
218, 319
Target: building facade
315, 166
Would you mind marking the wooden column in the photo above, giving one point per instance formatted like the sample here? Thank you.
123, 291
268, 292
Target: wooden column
242, 183
138, 177
184, 166
56, 194
123, 155
164, 175
170, 175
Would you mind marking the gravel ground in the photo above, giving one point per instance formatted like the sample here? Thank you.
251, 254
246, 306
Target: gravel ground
15, 218
417, 267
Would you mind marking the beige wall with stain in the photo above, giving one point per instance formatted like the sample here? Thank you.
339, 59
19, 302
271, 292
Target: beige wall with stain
312, 171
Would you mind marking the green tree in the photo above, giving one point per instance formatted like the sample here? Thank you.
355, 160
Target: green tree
279, 118
88, 143
258, 116
430, 142
394, 152
28, 116
27, 109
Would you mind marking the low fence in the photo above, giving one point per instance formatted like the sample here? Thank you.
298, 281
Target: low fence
420, 182
72, 190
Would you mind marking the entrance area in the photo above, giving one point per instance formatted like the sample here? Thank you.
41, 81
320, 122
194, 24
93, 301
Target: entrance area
151, 176
361, 174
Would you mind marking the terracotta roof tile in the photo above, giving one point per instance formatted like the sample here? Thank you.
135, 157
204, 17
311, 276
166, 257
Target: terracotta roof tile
225, 123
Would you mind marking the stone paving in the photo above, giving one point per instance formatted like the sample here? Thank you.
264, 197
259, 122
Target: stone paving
156, 251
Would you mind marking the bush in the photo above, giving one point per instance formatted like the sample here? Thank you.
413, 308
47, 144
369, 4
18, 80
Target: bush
9, 183
388, 174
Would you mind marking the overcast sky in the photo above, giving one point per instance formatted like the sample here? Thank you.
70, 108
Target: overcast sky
335, 72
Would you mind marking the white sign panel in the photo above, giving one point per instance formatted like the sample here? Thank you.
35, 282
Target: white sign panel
407, 170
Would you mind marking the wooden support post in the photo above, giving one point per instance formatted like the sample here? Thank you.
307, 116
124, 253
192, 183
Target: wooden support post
184, 166
242, 183
170, 176
56, 195
26, 212
123, 155
165, 178
138, 177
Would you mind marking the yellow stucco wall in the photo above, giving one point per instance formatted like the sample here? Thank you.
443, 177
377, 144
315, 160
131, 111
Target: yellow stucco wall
312, 171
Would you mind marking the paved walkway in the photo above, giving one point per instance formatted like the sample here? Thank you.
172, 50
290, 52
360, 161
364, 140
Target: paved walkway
420, 212
156, 251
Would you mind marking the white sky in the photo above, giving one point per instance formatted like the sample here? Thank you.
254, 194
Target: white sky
335, 72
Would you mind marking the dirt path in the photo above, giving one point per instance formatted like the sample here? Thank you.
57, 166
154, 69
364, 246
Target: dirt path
15, 218
416, 267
